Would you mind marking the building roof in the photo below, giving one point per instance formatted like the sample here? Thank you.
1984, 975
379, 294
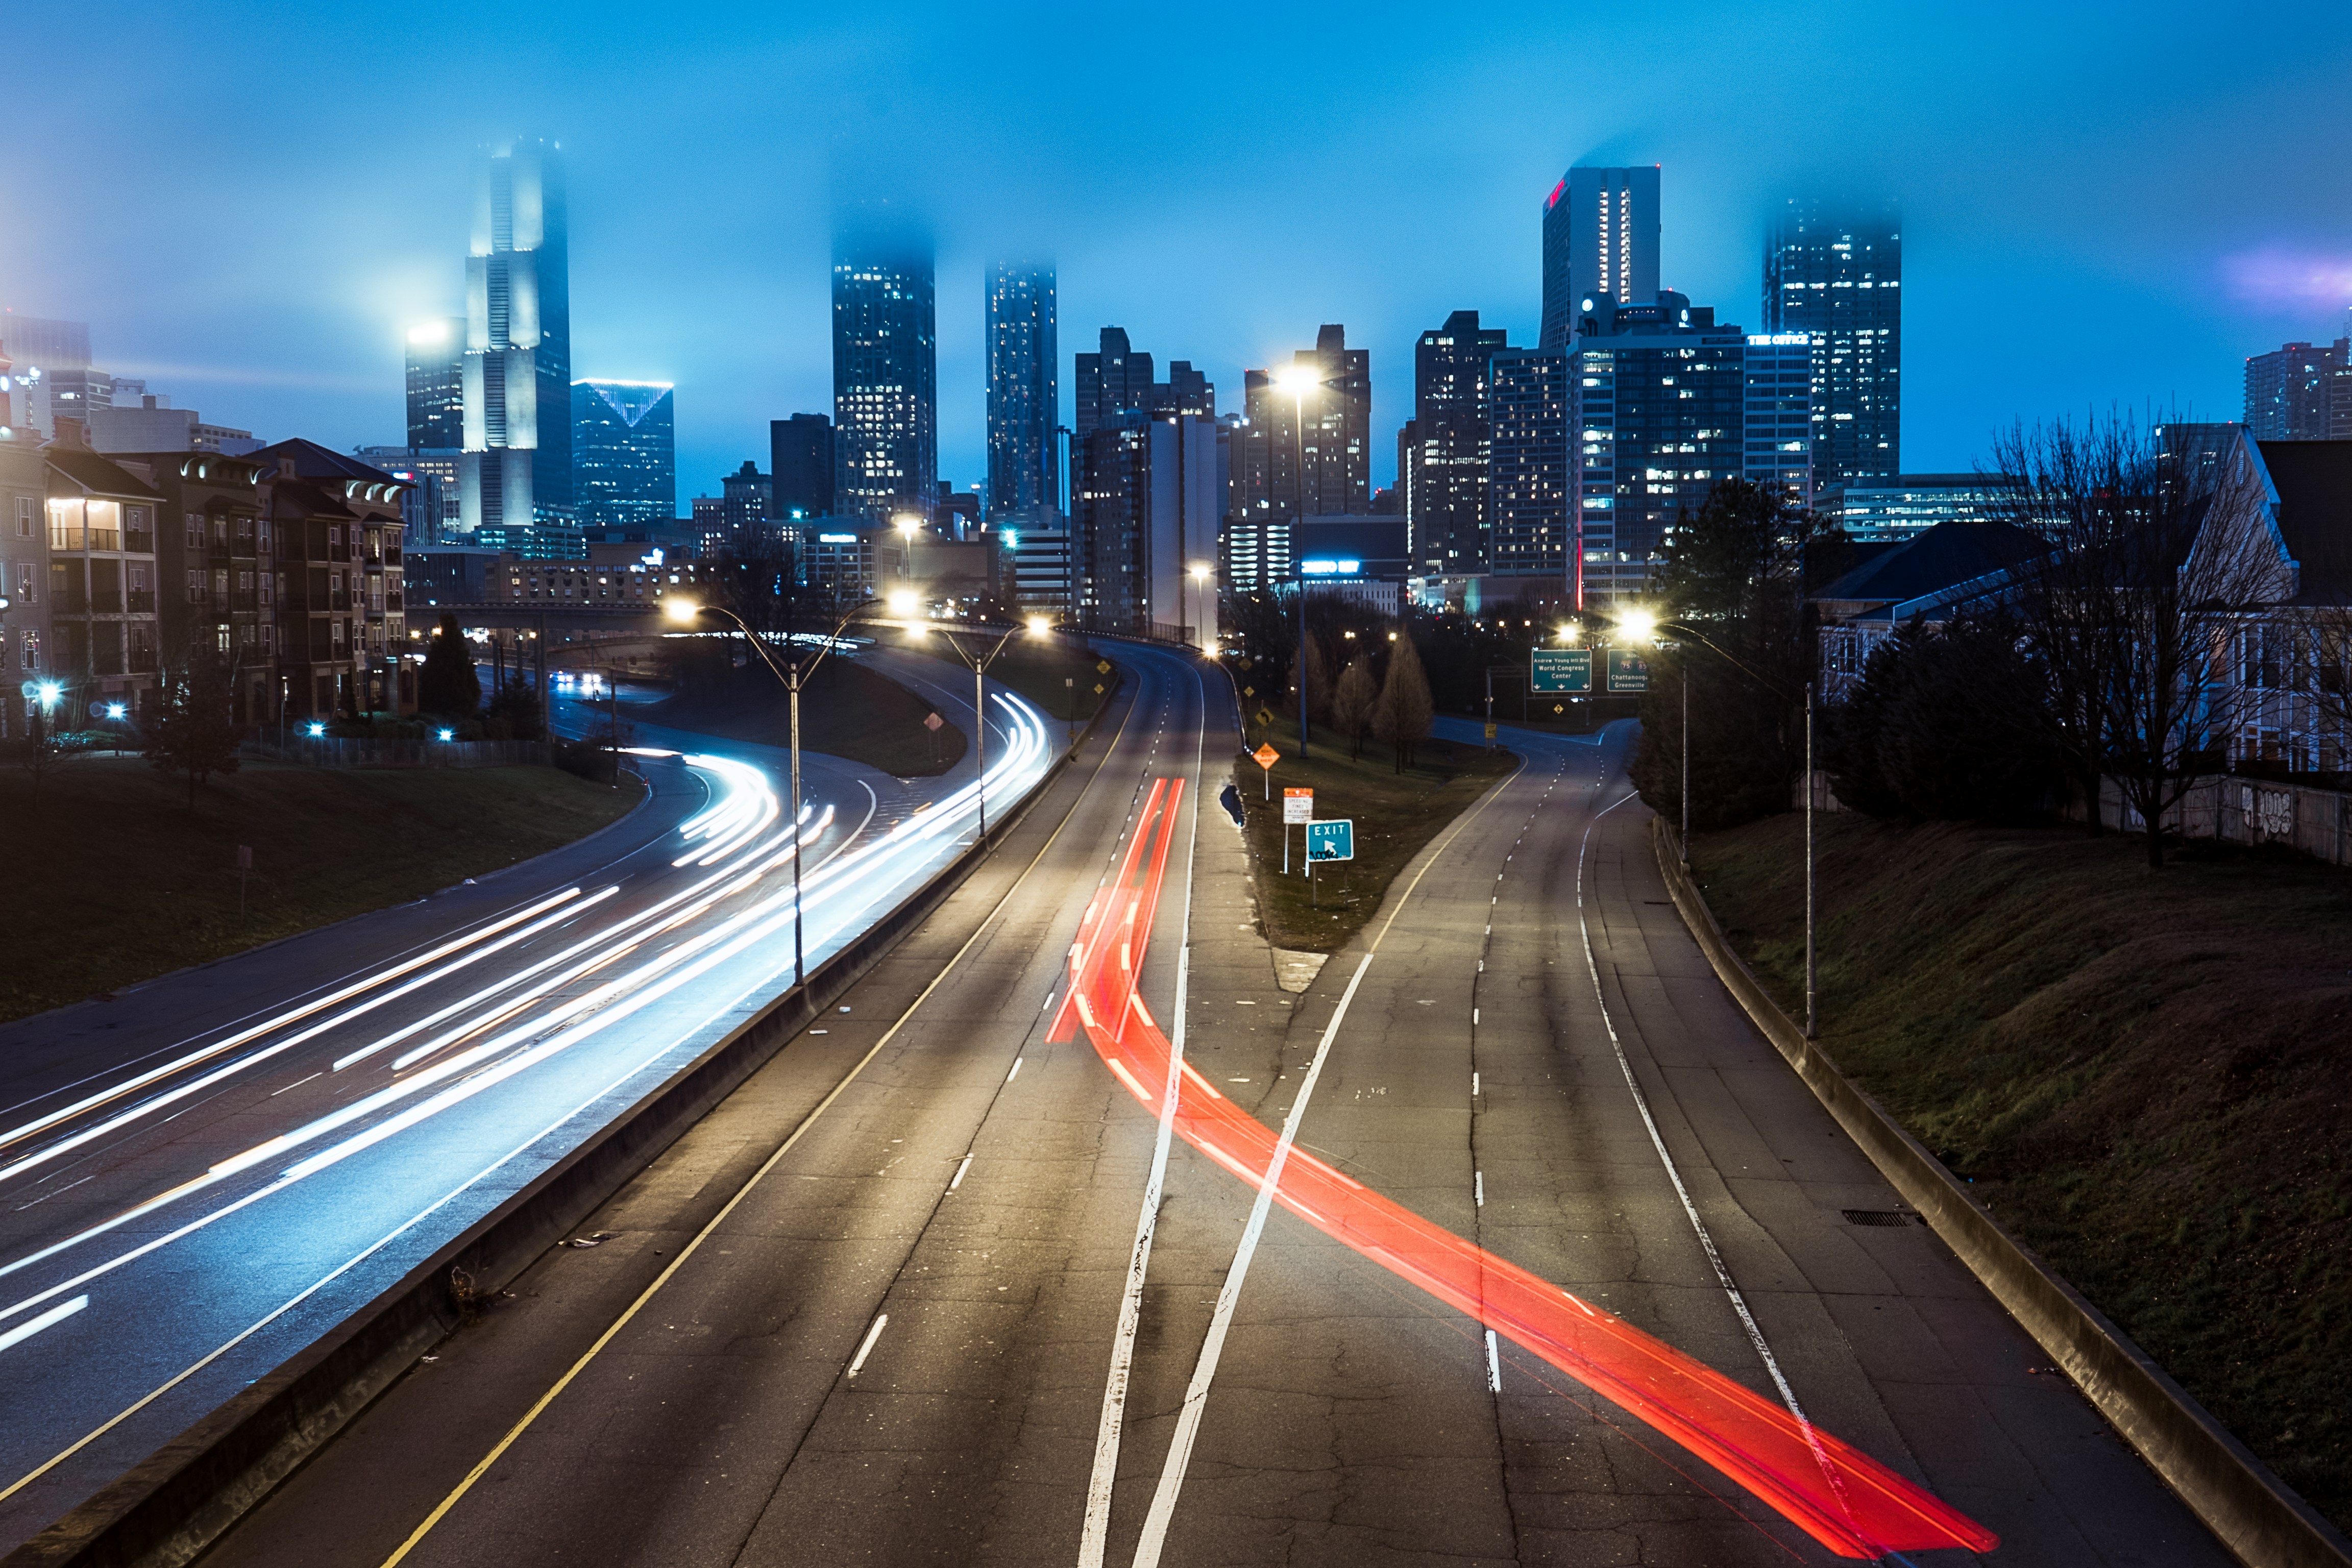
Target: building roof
97, 475
312, 461
1940, 559
2314, 480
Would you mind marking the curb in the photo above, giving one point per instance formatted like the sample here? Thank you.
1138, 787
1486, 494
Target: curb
2257, 1516
171, 1506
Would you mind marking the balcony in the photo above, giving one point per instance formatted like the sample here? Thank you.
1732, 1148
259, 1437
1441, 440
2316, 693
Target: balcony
143, 601
135, 544
105, 601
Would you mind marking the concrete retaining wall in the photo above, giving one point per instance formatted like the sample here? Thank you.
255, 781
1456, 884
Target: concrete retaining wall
2253, 1514
174, 1504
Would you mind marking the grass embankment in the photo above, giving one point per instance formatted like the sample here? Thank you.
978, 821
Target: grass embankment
2147, 1075
112, 881
1395, 815
846, 710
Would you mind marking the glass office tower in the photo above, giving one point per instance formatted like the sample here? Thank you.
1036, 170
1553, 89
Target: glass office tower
884, 368
1024, 471
1835, 270
624, 453
517, 469
1600, 236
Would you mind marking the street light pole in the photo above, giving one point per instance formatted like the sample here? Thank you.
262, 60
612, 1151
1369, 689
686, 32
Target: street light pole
1812, 1015
978, 697
1685, 673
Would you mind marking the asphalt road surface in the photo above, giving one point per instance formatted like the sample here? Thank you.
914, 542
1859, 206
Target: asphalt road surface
200, 1174
906, 1297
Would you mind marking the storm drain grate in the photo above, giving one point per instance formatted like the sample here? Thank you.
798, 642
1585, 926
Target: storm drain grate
1876, 1217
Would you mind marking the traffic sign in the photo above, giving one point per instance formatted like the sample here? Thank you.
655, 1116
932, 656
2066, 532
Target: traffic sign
1102, 667
1332, 840
1628, 669
1298, 805
1559, 669
932, 723
1490, 730
1265, 757
1265, 716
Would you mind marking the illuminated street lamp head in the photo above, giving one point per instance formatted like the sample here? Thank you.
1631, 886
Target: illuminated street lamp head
48, 692
1298, 379
1039, 625
1641, 625
116, 711
1200, 572
1567, 633
682, 611
903, 601
907, 522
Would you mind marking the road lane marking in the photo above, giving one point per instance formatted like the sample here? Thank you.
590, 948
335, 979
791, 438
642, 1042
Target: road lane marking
1673, 1171
1016, 1071
1494, 1365
959, 1175
48, 1319
1196, 1396
858, 1363
1094, 1537
515, 1432
1479, 1187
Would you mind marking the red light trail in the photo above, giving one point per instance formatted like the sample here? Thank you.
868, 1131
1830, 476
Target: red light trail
1843, 1498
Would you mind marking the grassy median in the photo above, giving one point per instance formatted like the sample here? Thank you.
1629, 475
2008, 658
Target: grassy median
111, 879
2147, 1075
1395, 815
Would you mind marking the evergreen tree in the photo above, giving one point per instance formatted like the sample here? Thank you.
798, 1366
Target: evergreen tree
446, 685
191, 731
1352, 701
1402, 714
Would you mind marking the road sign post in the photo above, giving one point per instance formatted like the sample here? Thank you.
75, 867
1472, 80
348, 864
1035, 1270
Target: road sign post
1299, 806
1265, 757
1332, 840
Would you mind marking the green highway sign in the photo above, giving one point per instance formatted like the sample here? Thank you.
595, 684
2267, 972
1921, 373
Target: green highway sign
1561, 669
1332, 840
1628, 669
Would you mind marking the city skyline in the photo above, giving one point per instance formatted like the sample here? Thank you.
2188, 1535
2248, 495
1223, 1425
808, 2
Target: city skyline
736, 317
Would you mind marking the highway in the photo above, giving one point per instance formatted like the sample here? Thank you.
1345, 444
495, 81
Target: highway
1503, 1239
199, 1176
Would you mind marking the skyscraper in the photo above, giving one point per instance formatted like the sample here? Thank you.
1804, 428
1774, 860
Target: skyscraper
2300, 393
436, 384
1442, 459
1530, 532
1660, 416
885, 367
1600, 236
1777, 443
1023, 470
1835, 270
1147, 485
800, 457
517, 469
624, 453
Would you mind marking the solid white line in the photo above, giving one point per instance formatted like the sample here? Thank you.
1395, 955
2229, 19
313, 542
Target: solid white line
1673, 1171
1196, 1396
297, 1083
47, 1319
1479, 1187
1016, 1071
1474, 1086
959, 1175
880, 1322
1494, 1365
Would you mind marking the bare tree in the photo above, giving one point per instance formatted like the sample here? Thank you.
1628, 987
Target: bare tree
1402, 714
2158, 551
1352, 701
192, 730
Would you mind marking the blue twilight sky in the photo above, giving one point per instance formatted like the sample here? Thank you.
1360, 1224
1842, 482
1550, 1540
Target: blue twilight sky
249, 201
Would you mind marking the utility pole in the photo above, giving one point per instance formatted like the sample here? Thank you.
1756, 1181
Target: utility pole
1811, 1014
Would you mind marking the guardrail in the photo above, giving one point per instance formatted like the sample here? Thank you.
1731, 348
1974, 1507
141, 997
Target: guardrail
2255, 1515
171, 1505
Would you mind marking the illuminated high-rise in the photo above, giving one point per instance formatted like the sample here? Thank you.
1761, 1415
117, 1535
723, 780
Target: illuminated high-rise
436, 384
1835, 270
884, 368
516, 468
1442, 454
1023, 472
1600, 236
624, 453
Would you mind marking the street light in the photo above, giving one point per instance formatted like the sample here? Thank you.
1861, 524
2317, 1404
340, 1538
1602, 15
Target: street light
793, 675
1200, 601
979, 698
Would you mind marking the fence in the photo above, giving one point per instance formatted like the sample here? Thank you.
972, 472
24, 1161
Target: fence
329, 751
2319, 822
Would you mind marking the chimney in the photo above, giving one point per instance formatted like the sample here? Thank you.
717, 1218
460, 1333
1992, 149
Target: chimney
286, 467
69, 434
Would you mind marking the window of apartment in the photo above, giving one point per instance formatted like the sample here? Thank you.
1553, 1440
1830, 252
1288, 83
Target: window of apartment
269, 640
28, 584
32, 646
264, 527
24, 516
135, 519
220, 533
192, 530
195, 586
281, 588
220, 587
336, 635
139, 583
245, 584
265, 589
